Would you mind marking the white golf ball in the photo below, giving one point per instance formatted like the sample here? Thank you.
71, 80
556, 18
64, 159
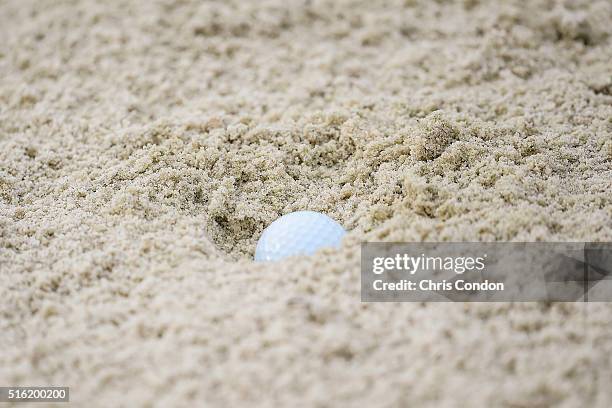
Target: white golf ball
298, 233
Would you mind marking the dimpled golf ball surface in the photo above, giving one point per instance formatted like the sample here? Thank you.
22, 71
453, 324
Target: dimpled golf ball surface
298, 233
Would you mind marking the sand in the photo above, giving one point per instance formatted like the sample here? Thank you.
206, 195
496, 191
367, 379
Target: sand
145, 145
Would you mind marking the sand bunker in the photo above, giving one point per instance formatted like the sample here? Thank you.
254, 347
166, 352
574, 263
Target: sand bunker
144, 146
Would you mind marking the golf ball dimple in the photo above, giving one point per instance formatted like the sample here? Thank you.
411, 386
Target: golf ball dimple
298, 233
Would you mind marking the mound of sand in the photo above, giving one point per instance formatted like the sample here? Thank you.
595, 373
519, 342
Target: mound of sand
145, 145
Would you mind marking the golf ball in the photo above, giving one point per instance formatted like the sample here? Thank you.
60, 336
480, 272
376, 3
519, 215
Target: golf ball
298, 233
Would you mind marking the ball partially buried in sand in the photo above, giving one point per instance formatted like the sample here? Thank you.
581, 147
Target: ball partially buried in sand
298, 233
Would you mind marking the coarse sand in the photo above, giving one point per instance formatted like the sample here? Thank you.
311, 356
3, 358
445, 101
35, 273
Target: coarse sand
144, 146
